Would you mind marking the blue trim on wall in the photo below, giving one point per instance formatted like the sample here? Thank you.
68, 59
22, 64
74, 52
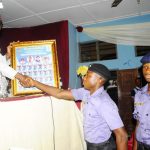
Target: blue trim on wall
126, 54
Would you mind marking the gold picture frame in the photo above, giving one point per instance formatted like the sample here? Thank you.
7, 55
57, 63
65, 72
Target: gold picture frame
37, 59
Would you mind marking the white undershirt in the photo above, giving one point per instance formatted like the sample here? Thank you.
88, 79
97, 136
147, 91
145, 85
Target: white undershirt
5, 71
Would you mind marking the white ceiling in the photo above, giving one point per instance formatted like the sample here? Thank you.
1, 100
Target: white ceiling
27, 13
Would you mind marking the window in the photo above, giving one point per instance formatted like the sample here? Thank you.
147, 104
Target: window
97, 50
142, 50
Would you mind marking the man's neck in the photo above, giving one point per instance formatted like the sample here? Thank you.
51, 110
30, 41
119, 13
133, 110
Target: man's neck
94, 89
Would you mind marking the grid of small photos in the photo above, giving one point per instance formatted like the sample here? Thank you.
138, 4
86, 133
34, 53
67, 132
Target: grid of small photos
37, 63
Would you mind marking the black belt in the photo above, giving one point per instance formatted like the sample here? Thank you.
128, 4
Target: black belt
97, 144
109, 144
143, 146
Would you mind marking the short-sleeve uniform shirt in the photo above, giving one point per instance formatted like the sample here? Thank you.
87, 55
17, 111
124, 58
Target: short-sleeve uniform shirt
100, 114
142, 114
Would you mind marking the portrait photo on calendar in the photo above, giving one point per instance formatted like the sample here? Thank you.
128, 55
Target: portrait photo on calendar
38, 60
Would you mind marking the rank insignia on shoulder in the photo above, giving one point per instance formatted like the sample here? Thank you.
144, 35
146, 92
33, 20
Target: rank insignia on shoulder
138, 103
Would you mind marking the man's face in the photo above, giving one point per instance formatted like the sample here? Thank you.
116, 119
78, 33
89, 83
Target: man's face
91, 80
146, 72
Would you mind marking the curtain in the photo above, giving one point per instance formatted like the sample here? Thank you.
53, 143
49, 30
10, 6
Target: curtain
137, 34
57, 31
63, 54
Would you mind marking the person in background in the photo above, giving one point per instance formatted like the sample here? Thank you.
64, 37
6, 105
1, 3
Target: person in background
112, 90
142, 110
100, 113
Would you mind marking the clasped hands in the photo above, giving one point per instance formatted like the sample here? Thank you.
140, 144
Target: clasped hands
26, 81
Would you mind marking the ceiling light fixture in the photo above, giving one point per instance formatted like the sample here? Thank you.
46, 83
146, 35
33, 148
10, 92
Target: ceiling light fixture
1, 5
116, 3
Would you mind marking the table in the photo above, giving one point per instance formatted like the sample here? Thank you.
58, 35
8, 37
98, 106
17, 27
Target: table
40, 123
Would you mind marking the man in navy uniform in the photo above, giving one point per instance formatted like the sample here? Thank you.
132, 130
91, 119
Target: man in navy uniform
100, 113
142, 110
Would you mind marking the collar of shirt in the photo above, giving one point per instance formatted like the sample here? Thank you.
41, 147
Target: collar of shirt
137, 87
144, 89
93, 98
100, 90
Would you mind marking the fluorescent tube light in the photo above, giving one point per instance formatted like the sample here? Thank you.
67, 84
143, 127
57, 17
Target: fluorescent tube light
1, 5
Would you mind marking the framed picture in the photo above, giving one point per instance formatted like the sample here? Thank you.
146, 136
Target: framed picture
37, 59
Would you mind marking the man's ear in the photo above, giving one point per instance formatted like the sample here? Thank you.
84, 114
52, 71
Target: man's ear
102, 80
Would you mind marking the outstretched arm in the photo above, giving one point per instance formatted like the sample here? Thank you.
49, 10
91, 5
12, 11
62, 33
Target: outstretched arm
121, 138
26, 81
53, 91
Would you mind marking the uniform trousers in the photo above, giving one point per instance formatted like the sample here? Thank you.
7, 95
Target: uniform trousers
142, 146
107, 145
